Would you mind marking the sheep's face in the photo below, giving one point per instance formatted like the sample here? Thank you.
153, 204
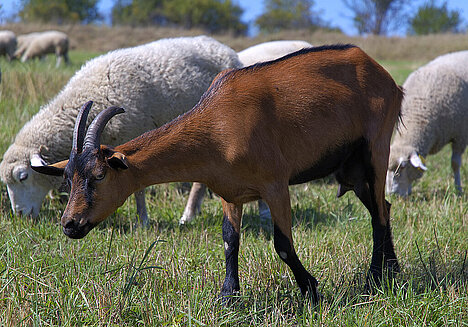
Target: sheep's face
25, 193
403, 172
26, 188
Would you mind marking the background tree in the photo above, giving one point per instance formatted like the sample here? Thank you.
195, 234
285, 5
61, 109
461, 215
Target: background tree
431, 18
212, 15
376, 17
138, 12
288, 14
59, 11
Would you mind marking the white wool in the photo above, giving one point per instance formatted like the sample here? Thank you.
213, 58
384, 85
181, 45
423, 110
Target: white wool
270, 51
154, 82
434, 112
44, 43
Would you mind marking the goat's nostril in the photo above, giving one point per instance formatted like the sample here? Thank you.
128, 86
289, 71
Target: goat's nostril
69, 224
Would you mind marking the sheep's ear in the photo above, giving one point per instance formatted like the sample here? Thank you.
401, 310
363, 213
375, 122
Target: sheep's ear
55, 169
417, 161
117, 161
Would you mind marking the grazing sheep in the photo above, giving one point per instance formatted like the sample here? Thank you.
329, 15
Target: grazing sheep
155, 82
45, 43
435, 113
7, 44
270, 51
23, 41
258, 53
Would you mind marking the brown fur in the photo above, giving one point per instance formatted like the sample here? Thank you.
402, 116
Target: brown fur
259, 128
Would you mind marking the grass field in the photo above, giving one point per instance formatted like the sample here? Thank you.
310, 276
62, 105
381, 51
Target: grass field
171, 276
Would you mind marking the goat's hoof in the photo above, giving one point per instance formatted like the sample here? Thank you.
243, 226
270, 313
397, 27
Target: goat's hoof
228, 298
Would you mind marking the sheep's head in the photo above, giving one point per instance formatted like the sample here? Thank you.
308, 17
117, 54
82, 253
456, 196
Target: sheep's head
403, 170
26, 188
92, 172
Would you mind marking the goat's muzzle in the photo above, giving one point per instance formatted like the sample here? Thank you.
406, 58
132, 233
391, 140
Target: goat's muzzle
73, 229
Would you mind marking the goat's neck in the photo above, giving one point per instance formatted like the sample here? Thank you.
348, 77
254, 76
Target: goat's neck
176, 152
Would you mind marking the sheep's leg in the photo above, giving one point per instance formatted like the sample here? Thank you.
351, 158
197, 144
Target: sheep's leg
280, 208
194, 202
232, 216
59, 60
456, 164
264, 211
141, 207
65, 57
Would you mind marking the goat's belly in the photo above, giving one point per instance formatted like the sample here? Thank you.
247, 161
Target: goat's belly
328, 164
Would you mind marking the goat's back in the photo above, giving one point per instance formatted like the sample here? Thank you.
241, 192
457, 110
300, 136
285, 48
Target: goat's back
317, 99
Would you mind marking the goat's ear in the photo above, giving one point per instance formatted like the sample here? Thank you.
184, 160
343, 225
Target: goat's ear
117, 161
55, 169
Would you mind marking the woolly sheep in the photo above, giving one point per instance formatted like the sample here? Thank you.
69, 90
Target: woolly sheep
7, 44
23, 41
154, 82
258, 53
435, 113
270, 51
45, 43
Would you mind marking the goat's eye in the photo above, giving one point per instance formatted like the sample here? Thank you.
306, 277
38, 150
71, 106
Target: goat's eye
22, 176
100, 176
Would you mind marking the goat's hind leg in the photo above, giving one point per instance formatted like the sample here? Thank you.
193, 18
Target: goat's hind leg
367, 180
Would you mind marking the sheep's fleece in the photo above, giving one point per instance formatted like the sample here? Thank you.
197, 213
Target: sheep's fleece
41, 44
154, 82
434, 113
272, 50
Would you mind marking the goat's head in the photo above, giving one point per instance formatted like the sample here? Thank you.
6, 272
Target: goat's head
92, 171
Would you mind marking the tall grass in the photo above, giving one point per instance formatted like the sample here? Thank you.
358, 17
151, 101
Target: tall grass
122, 275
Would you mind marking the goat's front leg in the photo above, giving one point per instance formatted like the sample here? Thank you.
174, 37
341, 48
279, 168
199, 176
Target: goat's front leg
280, 207
232, 216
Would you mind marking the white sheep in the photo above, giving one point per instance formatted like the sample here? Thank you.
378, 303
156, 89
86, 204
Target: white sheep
23, 41
270, 51
258, 53
47, 42
7, 44
435, 113
155, 83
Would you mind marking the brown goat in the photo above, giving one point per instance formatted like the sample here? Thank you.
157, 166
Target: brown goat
256, 130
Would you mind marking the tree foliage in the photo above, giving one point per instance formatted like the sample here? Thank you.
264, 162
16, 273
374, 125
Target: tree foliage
212, 15
288, 14
431, 18
376, 17
59, 11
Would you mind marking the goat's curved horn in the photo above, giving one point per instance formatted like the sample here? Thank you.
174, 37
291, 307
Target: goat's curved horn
80, 125
92, 139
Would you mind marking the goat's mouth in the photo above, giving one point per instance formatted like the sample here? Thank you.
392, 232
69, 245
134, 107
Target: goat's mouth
77, 232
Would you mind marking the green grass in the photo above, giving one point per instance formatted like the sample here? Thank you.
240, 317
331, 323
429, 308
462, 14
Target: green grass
171, 276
